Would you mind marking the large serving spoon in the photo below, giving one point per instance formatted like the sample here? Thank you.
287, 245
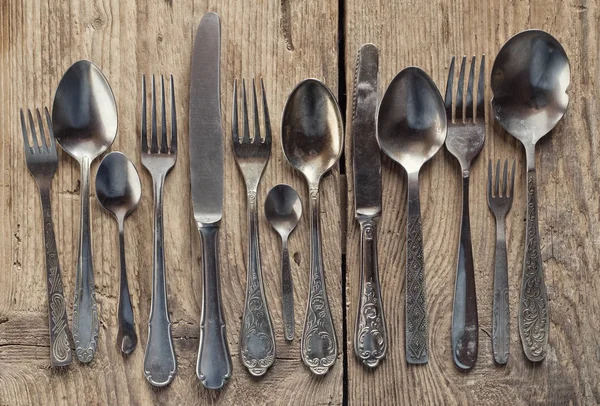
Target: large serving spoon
411, 128
119, 190
283, 209
84, 117
313, 138
529, 81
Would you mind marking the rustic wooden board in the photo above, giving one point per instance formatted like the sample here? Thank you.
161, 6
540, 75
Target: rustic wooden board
427, 34
39, 40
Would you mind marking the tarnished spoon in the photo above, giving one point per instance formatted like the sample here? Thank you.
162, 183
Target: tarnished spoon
119, 190
84, 118
313, 139
411, 128
283, 209
530, 78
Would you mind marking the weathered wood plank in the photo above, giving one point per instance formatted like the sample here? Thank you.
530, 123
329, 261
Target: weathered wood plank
38, 41
427, 34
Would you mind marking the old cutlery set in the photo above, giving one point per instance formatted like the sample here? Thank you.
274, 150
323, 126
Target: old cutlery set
410, 124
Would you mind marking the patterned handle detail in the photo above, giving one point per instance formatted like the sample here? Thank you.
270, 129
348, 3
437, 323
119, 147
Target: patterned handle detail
370, 337
257, 341
60, 349
533, 306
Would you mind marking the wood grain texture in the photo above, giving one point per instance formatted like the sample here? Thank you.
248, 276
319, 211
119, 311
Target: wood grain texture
427, 34
38, 41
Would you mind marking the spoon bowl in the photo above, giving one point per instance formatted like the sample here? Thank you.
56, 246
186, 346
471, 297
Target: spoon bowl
313, 134
84, 114
530, 78
118, 185
412, 120
283, 209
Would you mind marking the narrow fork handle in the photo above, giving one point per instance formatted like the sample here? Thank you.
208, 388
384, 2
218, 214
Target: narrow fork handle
318, 344
417, 339
60, 348
465, 324
501, 312
160, 364
257, 340
533, 306
85, 309
214, 361
370, 335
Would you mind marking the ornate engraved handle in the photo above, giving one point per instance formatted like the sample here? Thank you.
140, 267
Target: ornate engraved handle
214, 361
465, 324
501, 312
318, 344
533, 306
287, 291
370, 335
417, 340
85, 309
60, 348
159, 360
257, 340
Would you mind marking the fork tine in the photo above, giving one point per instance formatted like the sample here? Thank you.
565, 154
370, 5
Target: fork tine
154, 147
266, 113
497, 183
36, 144
449, 84
459, 91
469, 102
173, 119
505, 178
489, 182
42, 131
245, 114
164, 147
28, 149
257, 137
52, 145
512, 180
481, 90
144, 128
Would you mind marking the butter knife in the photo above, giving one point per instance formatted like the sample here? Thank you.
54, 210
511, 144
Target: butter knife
370, 335
206, 167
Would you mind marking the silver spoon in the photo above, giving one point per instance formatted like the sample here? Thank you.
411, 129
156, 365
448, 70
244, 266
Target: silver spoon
84, 117
313, 139
529, 81
411, 128
283, 209
119, 190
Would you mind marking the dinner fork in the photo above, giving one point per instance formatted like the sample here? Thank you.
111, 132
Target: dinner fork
465, 138
500, 204
257, 341
159, 360
42, 161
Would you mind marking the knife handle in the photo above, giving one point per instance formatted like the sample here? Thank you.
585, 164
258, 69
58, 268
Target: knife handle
370, 335
533, 305
318, 344
214, 361
417, 333
465, 323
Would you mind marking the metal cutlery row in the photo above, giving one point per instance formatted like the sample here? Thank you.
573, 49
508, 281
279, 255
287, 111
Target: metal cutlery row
410, 124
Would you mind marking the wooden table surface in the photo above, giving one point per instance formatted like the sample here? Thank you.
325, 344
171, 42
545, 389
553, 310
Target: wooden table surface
286, 41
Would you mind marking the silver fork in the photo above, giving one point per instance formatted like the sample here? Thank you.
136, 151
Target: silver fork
257, 341
500, 205
159, 360
42, 161
465, 138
